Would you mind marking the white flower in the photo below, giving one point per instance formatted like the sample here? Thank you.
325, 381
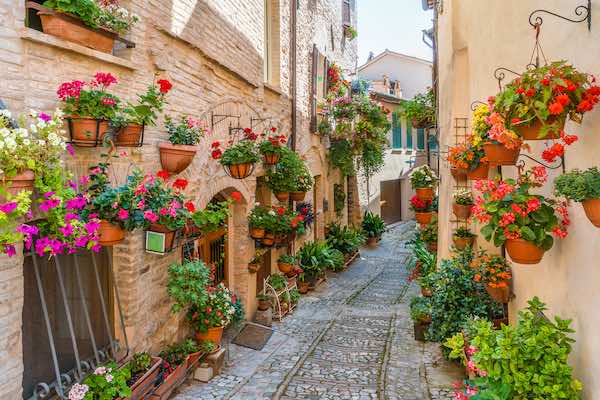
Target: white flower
58, 113
78, 391
109, 378
100, 371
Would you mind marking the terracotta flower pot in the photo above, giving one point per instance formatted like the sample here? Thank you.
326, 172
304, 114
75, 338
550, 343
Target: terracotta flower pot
297, 196
169, 234
21, 182
268, 240
424, 218
264, 305
481, 172
592, 210
498, 154
171, 382
67, 28
419, 330
461, 243
532, 131
271, 159
176, 157
500, 295
426, 292
458, 173
130, 136
253, 268
372, 242
524, 252
285, 267
213, 334
257, 233
240, 171
141, 387
110, 234
462, 211
282, 196
424, 193
87, 132
303, 287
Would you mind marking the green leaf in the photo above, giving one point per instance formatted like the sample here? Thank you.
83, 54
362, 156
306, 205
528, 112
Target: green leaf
527, 234
548, 242
487, 232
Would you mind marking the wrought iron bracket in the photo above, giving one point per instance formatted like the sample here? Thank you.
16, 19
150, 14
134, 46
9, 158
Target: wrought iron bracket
499, 74
216, 119
257, 121
521, 163
583, 12
476, 103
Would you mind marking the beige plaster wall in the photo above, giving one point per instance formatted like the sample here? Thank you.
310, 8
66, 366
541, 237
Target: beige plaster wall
475, 38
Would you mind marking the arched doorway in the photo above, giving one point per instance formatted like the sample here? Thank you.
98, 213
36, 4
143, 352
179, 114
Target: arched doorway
211, 248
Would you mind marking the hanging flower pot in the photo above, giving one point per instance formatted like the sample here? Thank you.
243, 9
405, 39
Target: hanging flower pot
592, 210
523, 252
268, 240
462, 211
425, 193
130, 136
257, 233
424, 218
282, 196
87, 132
481, 172
253, 268
532, 132
285, 268
240, 171
499, 294
176, 157
458, 173
297, 196
462, 243
270, 159
21, 182
213, 334
110, 234
498, 154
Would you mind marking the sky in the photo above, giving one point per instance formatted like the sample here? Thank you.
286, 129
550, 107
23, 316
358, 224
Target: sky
392, 24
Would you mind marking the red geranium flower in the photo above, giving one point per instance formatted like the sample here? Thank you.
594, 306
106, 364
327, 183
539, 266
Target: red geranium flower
190, 206
555, 108
216, 154
273, 129
165, 85
236, 196
216, 144
280, 211
180, 184
105, 79
164, 175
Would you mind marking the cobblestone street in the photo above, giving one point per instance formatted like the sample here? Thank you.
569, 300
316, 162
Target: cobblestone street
352, 338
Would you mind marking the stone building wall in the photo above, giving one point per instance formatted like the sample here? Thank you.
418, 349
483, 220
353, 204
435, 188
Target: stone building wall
212, 52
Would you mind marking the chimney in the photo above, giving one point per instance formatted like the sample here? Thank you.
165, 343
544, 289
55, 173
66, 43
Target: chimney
371, 56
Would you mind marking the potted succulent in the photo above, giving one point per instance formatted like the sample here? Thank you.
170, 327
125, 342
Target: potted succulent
469, 161
495, 273
106, 382
238, 159
463, 202
423, 180
144, 373
519, 219
264, 302
373, 226
286, 263
420, 312
537, 104
421, 110
422, 208
463, 238
89, 108
271, 147
583, 187
91, 24
177, 154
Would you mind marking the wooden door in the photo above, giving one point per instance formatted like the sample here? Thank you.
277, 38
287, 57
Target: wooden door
212, 250
391, 210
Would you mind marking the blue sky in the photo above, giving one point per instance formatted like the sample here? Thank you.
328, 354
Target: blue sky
394, 25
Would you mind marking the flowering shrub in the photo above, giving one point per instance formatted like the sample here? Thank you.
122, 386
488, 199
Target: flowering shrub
420, 205
187, 285
187, 132
466, 157
176, 354
422, 177
106, 382
242, 152
463, 197
579, 185
306, 211
494, 270
90, 99
258, 217
512, 212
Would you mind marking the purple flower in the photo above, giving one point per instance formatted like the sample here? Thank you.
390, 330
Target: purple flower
81, 241
44, 117
48, 204
96, 248
66, 230
72, 184
76, 203
9, 249
84, 180
70, 149
92, 227
28, 229
49, 194
7, 208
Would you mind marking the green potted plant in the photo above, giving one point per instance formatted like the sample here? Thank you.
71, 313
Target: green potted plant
218, 312
256, 262
524, 221
271, 147
284, 177
238, 159
264, 302
583, 187
420, 312
179, 152
373, 226
212, 218
463, 238
350, 32
106, 382
421, 110
174, 367
429, 235
496, 273
313, 258
258, 219
304, 183
345, 239
423, 180
463, 202
144, 373
286, 263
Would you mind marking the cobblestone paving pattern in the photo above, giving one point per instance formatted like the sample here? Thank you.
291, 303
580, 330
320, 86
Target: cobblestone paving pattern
352, 338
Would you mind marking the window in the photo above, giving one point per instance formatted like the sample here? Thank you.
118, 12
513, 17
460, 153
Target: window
396, 131
318, 85
271, 59
346, 13
409, 141
421, 139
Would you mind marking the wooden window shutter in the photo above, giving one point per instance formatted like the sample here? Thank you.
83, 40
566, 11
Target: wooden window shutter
346, 13
326, 76
313, 89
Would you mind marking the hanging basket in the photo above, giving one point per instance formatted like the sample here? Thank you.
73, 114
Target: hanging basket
461, 243
285, 268
271, 159
424, 218
481, 172
257, 233
282, 196
297, 196
425, 193
458, 173
592, 211
498, 154
110, 234
239, 171
253, 268
268, 240
462, 211
175, 158
532, 131
87, 132
524, 252
500, 295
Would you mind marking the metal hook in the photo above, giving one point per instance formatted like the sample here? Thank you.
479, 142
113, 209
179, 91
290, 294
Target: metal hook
581, 11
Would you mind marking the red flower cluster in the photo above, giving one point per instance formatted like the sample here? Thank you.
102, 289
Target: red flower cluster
165, 85
250, 135
419, 204
70, 89
104, 78
216, 152
164, 175
236, 196
550, 154
180, 184
190, 206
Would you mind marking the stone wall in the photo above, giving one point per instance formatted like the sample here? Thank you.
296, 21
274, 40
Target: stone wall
212, 52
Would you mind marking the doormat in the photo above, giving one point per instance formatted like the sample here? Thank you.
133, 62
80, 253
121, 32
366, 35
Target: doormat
253, 336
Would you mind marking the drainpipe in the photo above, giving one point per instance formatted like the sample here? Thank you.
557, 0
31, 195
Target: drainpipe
293, 86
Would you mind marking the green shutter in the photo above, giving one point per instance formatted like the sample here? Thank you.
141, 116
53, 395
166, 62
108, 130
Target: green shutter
409, 144
421, 139
432, 142
396, 132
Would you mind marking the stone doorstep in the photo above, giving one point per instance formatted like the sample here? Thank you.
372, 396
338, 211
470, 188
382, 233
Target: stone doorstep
215, 361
